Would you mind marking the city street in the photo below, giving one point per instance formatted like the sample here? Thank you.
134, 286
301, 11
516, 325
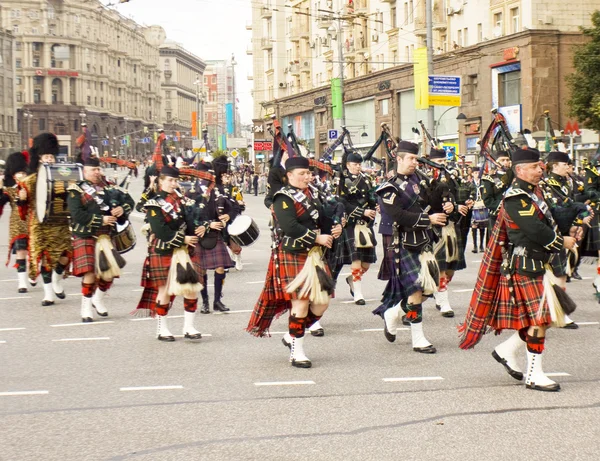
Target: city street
109, 390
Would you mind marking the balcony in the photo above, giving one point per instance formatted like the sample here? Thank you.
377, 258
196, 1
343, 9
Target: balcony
299, 31
266, 43
295, 70
266, 12
249, 50
324, 21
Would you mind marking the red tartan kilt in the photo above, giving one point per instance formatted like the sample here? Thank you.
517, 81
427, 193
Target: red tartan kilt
156, 269
525, 311
84, 255
290, 265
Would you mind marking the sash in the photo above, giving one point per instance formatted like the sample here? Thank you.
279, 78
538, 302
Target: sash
167, 208
91, 191
300, 197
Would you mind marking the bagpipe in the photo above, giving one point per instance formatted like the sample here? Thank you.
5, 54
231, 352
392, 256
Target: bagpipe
497, 138
133, 170
550, 131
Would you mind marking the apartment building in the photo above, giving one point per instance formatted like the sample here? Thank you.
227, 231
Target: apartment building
219, 97
9, 139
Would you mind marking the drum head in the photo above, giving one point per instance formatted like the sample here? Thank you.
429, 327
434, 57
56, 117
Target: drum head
240, 225
41, 192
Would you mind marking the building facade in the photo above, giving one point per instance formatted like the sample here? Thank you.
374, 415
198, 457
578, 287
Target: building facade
181, 84
9, 139
513, 55
79, 61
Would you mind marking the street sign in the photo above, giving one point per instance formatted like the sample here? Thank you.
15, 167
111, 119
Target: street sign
262, 145
105, 142
444, 90
572, 128
123, 142
260, 155
332, 135
175, 138
234, 153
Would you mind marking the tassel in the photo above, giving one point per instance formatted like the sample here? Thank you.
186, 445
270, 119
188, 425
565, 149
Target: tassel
552, 298
181, 277
362, 240
565, 301
103, 262
450, 241
181, 274
429, 273
119, 259
572, 256
325, 280
307, 280
192, 275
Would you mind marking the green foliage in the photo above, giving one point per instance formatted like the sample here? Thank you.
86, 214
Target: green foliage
584, 83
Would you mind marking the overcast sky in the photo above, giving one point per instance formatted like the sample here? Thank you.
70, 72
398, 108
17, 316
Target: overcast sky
211, 29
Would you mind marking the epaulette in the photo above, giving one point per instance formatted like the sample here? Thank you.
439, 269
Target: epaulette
487, 177
553, 182
513, 192
284, 191
593, 170
385, 186
75, 187
152, 202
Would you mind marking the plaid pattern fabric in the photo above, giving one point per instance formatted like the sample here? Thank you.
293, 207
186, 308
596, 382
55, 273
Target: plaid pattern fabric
350, 253
156, 268
491, 305
19, 244
386, 269
84, 257
212, 259
440, 253
591, 243
559, 264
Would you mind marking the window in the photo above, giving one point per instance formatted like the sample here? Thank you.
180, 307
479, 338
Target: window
18, 46
514, 20
498, 29
37, 96
385, 107
101, 86
470, 89
89, 100
19, 81
393, 17
479, 33
76, 19
101, 102
75, 125
135, 68
50, 12
406, 12
35, 62
119, 92
466, 37
169, 115
19, 96
167, 94
120, 108
459, 37
38, 80
42, 124
411, 11
214, 79
101, 70
18, 63
15, 14
509, 88
15, 29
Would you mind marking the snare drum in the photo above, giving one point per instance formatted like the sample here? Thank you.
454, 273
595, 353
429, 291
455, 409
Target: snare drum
53, 179
125, 239
243, 230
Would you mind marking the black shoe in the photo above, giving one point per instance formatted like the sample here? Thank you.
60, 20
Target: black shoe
425, 350
317, 332
205, 307
390, 337
360, 302
568, 279
575, 275
47, 303
285, 343
482, 249
474, 250
32, 282
192, 336
220, 307
303, 364
350, 284
549, 388
405, 321
61, 295
448, 314
515, 374
87, 320
571, 326
22, 290
168, 339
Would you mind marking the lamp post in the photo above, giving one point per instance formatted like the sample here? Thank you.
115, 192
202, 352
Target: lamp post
338, 31
233, 64
199, 105
27, 115
460, 116
82, 116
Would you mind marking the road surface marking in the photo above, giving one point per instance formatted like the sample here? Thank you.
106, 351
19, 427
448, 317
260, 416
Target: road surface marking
476, 262
102, 338
9, 280
141, 319
368, 330
4, 394
466, 290
11, 329
284, 383
244, 311
204, 335
74, 294
15, 297
352, 302
81, 323
255, 283
413, 378
137, 290
587, 323
2, 342
149, 388
586, 278
558, 373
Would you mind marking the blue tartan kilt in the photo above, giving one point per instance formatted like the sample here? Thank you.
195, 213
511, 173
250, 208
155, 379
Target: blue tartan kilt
440, 253
404, 283
386, 270
350, 253
591, 241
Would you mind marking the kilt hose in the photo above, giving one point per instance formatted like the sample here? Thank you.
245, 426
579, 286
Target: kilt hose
274, 300
84, 255
349, 251
212, 259
403, 283
386, 269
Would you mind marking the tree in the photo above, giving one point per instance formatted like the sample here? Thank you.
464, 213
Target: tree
585, 81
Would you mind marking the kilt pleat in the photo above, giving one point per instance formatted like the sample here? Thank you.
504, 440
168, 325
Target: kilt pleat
84, 255
156, 268
386, 269
350, 253
591, 241
214, 258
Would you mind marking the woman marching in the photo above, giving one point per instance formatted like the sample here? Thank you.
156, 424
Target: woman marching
13, 193
168, 267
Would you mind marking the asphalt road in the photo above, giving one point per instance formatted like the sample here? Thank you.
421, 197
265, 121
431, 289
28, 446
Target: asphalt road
110, 391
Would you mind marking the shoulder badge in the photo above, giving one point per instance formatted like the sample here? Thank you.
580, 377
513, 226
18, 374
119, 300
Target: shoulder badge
285, 206
389, 197
152, 213
523, 203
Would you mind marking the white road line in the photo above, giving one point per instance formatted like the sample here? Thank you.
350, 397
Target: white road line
466, 290
9, 280
558, 373
586, 278
142, 319
586, 323
284, 383
15, 297
277, 332
476, 262
11, 329
81, 323
137, 290
2, 342
255, 283
413, 378
6, 394
352, 302
368, 330
74, 294
102, 338
149, 388
245, 311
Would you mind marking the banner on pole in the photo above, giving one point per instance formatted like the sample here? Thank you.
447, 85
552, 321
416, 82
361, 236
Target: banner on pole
421, 77
195, 124
229, 117
337, 98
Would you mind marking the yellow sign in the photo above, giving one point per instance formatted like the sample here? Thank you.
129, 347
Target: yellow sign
234, 153
444, 100
421, 77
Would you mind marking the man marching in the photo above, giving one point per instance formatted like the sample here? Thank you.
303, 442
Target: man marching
95, 210
515, 288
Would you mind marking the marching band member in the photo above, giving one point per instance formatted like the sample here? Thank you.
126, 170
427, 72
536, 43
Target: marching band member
480, 216
168, 235
592, 243
13, 193
50, 247
359, 238
406, 199
95, 208
211, 252
515, 288
276, 178
494, 186
297, 278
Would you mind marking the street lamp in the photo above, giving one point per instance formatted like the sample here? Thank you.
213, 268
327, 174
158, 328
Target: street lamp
27, 115
82, 115
199, 105
233, 64
460, 116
